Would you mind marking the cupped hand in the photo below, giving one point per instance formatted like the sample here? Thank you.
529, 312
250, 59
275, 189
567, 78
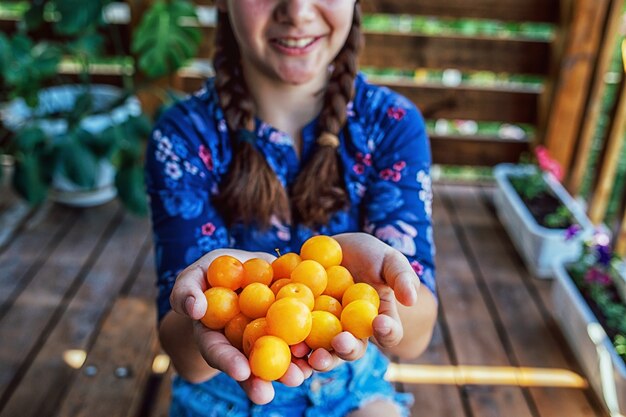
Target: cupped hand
187, 298
372, 261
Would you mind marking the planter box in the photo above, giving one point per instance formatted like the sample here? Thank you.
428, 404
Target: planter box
538, 246
603, 367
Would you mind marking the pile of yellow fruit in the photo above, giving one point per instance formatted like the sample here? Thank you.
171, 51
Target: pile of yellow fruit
264, 308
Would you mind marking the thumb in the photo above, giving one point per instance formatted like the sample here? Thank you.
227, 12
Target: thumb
187, 297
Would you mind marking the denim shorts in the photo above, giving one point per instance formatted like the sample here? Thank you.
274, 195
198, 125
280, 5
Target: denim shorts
333, 394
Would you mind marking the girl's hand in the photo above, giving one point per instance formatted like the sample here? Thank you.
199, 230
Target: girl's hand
386, 269
187, 299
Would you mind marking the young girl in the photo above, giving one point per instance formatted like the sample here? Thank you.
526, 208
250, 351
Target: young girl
286, 141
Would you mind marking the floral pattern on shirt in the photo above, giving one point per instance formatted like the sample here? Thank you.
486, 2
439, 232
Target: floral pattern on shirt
384, 149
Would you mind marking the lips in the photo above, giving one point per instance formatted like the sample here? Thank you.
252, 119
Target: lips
295, 42
296, 46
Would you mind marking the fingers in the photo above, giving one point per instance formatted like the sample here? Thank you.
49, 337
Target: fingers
388, 330
293, 377
220, 354
304, 366
323, 361
348, 347
259, 391
300, 350
399, 275
187, 296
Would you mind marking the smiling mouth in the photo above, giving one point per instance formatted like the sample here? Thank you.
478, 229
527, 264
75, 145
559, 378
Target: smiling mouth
293, 43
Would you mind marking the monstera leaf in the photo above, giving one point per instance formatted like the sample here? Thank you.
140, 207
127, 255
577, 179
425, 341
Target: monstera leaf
77, 15
161, 43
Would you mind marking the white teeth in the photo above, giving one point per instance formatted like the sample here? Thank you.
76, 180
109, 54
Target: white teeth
295, 43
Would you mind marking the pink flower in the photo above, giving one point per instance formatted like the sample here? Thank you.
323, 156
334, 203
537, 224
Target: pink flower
205, 154
208, 229
596, 276
547, 164
396, 113
396, 176
417, 267
364, 159
386, 174
399, 166
358, 168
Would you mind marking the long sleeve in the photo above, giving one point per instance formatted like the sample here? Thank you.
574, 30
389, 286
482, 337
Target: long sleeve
398, 201
180, 176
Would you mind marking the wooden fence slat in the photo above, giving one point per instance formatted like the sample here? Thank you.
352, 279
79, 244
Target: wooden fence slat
469, 103
594, 106
608, 166
575, 73
620, 239
510, 10
410, 51
457, 150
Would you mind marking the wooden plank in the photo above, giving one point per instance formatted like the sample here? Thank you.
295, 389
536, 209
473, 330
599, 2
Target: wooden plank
430, 399
28, 250
439, 101
39, 305
511, 10
611, 157
573, 80
594, 106
161, 405
530, 339
108, 393
13, 210
469, 103
47, 379
410, 51
471, 326
478, 151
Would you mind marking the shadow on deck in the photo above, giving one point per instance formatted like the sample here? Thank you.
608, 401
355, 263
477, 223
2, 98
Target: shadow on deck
78, 337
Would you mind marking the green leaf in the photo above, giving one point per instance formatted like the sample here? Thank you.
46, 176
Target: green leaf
77, 15
78, 164
82, 107
28, 139
161, 43
131, 190
33, 18
28, 179
105, 143
6, 55
89, 45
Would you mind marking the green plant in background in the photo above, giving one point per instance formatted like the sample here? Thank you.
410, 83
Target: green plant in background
534, 190
595, 274
53, 32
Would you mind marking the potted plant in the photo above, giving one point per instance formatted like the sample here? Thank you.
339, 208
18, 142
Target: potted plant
74, 140
592, 316
537, 211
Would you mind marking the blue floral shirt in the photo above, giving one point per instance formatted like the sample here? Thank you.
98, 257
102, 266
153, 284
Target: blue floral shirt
386, 160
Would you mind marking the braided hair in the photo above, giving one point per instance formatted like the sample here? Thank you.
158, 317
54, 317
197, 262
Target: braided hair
251, 192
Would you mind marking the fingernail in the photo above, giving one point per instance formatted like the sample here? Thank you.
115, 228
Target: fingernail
384, 331
189, 303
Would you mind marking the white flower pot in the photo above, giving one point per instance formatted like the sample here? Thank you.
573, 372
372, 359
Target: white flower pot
538, 246
62, 98
604, 368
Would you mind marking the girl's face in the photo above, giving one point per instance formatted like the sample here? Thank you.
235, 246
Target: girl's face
289, 41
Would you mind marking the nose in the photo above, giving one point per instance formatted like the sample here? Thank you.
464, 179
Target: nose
295, 12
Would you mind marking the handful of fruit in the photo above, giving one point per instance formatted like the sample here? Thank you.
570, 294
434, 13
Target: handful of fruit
264, 308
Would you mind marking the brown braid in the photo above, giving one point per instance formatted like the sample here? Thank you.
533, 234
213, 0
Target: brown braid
319, 190
250, 192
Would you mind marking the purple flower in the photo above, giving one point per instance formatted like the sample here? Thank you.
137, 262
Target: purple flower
604, 254
572, 231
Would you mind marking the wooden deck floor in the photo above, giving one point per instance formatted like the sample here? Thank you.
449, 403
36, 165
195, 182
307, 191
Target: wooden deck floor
80, 282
